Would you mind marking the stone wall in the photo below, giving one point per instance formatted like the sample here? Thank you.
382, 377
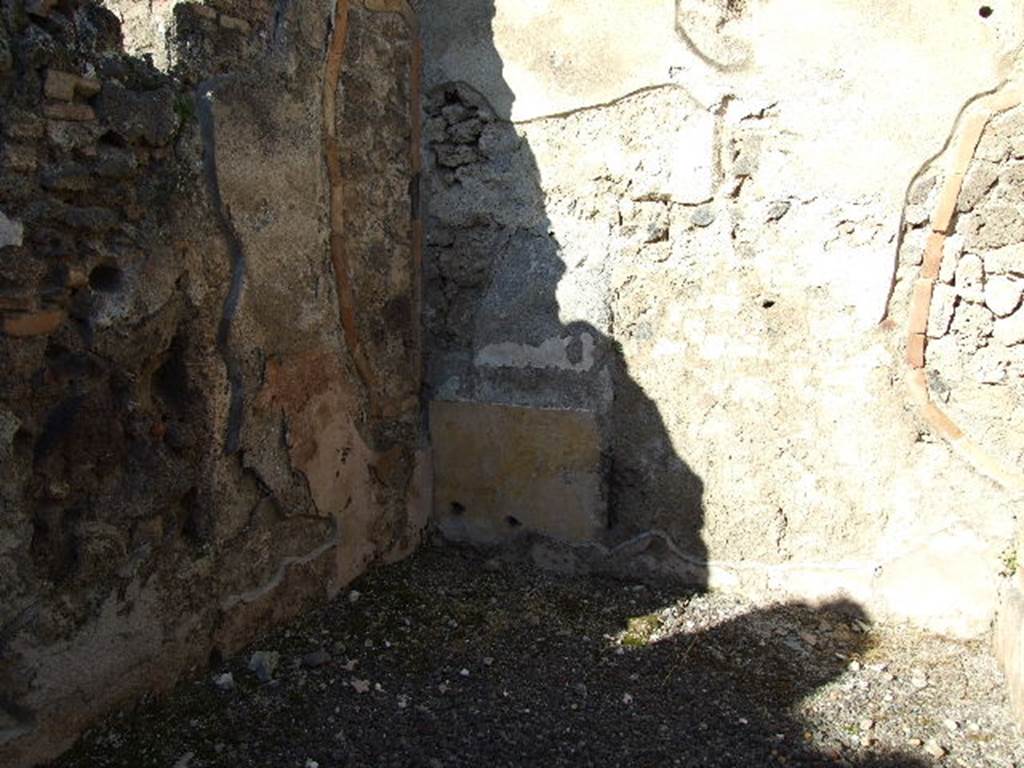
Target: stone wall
701, 228
209, 305
707, 293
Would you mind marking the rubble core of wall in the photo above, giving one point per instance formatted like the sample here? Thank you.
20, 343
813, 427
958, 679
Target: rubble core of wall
187, 451
972, 358
705, 241
960, 254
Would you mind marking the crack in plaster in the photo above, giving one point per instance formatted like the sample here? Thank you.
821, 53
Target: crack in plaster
283, 567
208, 133
610, 103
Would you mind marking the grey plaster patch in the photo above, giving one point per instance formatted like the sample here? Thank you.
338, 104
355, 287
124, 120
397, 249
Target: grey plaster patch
12, 231
8, 427
552, 353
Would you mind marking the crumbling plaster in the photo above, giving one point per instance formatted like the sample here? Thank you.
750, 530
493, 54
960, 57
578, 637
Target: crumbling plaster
724, 192
198, 438
726, 290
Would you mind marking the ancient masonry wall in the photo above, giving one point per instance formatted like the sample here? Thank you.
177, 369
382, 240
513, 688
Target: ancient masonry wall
707, 294
209, 359
965, 323
759, 281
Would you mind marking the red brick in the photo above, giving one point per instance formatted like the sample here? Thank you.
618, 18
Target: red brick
917, 386
933, 253
915, 350
78, 113
237, 25
920, 304
87, 87
77, 278
60, 85
19, 303
940, 422
39, 323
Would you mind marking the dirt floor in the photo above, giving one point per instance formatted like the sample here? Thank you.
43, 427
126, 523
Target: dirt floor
452, 660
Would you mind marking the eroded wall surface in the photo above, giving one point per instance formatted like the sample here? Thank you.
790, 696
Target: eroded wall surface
210, 345
702, 227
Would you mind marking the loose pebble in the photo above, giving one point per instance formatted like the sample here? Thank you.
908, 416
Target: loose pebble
934, 749
225, 681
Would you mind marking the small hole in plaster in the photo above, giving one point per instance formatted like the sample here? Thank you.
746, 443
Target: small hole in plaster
105, 278
457, 508
985, 11
513, 522
768, 303
22, 441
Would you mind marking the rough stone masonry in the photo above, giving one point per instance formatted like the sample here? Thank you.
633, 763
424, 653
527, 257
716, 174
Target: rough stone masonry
769, 252
724, 291
210, 341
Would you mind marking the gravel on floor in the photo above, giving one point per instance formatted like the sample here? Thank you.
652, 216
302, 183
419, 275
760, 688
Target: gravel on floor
449, 659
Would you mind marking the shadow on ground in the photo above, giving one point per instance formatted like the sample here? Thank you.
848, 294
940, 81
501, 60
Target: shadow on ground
447, 661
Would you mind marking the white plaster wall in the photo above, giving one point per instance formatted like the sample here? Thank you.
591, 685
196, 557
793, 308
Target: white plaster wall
791, 135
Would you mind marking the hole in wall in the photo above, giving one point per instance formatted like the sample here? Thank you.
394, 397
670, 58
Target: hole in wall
414, 196
985, 11
768, 303
106, 278
513, 521
52, 285
170, 381
457, 508
59, 422
53, 548
113, 139
192, 523
21, 443
216, 658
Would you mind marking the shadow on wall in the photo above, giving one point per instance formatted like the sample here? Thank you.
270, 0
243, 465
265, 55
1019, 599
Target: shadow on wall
492, 269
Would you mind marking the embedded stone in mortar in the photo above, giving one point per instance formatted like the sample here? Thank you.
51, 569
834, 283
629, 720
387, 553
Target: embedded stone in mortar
11, 231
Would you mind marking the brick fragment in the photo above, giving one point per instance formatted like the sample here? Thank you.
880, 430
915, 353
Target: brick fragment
16, 303
940, 422
917, 387
39, 323
87, 87
20, 158
78, 113
60, 85
933, 253
236, 25
39, 8
920, 304
77, 278
915, 350
23, 126
946, 205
